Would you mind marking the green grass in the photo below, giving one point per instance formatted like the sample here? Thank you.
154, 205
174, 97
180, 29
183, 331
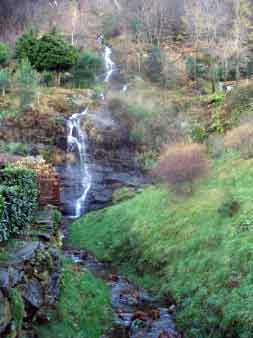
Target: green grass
84, 308
189, 247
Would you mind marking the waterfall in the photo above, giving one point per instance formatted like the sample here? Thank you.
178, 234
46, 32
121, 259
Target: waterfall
77, 143
109, 64
78, 174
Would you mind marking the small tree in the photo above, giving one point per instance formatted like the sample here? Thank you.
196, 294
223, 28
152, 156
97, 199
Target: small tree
26, 46
53, 53
4, 80
87, 67
4, 53
182, 163
27, 81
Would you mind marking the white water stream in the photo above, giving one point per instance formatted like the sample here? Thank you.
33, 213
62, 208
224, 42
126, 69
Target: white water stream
77, 143
109, 64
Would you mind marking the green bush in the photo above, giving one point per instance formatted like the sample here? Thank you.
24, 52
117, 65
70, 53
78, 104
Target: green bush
20, 191
26, 46
86, 68
13, 148
54, 54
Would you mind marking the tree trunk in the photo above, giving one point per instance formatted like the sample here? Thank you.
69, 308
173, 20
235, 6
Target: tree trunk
3, 91
213, 85
57, 79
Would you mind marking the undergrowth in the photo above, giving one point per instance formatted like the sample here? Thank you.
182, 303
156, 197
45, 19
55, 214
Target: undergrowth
83, 310
197, 248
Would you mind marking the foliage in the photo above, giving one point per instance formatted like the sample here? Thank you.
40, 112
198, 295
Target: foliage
153, 65
86, 68
53, 53
198, 133
17, 309
218, 122
83, 308
111, 26
147, 125
57, 217
26, 46
4, 53
241, 139
27, 80
195, 68
4, 80
13, 148
19, 189
182, 163
186, 248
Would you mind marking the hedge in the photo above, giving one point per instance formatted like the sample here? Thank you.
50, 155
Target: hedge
18, 201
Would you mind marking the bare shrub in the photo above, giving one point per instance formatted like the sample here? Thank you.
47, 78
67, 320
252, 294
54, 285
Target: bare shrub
182, 163
241, 139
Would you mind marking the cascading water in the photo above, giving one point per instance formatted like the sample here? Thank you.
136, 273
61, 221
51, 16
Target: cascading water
77, 142
109, 64
77, 175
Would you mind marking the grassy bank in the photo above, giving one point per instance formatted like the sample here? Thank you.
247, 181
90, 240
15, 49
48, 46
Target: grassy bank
84, 307
199, 247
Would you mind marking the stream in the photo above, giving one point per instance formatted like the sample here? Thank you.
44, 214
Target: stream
136, 313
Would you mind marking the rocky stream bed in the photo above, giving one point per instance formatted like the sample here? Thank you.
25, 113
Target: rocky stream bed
136, 313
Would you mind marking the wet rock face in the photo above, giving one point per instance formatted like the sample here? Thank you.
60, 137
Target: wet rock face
114, 165
110, 160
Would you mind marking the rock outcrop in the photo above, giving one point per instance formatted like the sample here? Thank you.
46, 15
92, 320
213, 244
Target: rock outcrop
30, 280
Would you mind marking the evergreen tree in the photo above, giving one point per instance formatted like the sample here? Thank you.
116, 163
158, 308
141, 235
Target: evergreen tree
86, 68
55, 54
28, 82
26, 46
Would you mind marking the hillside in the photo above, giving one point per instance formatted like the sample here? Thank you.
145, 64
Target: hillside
126, 147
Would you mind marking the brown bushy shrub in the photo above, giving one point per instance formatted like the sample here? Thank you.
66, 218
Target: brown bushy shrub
182, 163
241, 139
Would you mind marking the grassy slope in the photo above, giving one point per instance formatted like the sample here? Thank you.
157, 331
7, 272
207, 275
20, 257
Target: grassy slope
201, 255
83, 309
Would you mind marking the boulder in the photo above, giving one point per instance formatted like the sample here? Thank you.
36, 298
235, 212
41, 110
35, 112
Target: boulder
33, 293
